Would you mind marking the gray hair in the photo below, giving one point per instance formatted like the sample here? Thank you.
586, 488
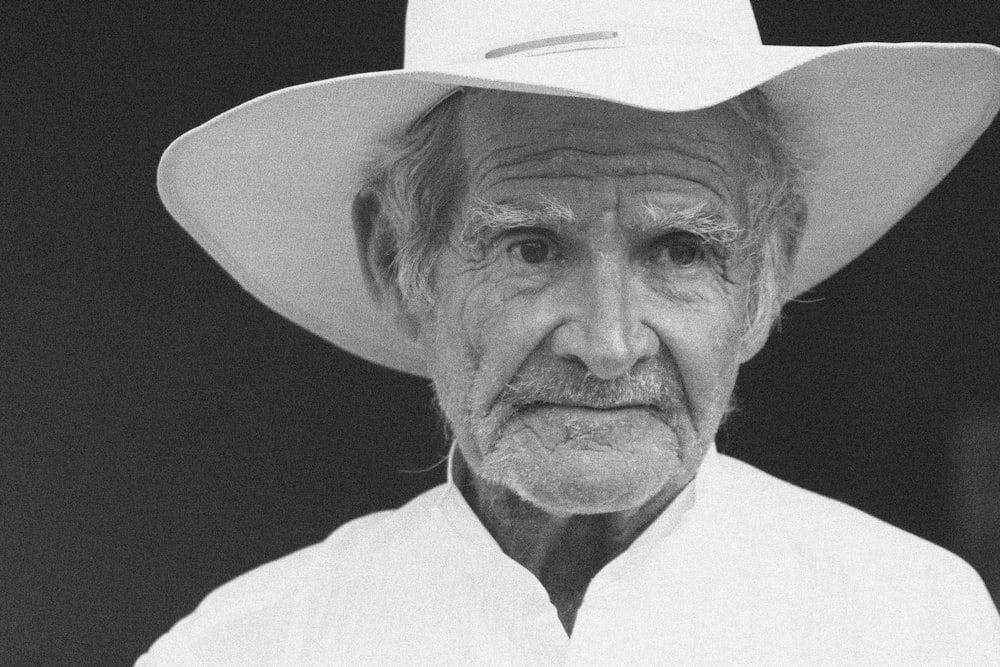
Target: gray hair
774, 204
415, 184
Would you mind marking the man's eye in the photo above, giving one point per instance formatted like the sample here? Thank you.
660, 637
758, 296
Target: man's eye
532, 251
682, 249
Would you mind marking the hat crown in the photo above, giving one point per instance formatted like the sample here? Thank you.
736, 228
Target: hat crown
441, 32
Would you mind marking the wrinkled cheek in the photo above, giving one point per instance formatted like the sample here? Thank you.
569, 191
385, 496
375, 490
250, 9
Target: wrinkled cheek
464, 336
711, 399
450, 369
709, 376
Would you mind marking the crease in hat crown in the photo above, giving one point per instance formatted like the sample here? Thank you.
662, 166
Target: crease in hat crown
444, 32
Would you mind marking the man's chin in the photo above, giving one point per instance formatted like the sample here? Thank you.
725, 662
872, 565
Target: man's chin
582, 477
581, 497
578, 460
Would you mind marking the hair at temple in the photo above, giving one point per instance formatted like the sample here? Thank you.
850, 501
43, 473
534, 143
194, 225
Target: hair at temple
413, 187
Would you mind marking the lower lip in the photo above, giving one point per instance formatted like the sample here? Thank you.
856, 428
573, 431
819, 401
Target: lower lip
575, 428
577, 410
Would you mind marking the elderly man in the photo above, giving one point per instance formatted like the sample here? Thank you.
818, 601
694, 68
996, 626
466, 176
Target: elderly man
579, 227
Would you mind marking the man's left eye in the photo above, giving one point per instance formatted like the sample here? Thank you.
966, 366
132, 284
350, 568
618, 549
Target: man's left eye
681, 249
532, 251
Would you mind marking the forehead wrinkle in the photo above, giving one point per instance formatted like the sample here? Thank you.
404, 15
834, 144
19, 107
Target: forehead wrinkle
710, 168
502, 155
501, 129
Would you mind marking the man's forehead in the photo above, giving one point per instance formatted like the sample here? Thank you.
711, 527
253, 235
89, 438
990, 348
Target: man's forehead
494, 114
518, 145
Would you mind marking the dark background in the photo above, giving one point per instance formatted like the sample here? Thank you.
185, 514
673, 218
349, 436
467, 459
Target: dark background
161, 432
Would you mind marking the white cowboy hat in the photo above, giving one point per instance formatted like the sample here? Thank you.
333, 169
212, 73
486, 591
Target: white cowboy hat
267, 187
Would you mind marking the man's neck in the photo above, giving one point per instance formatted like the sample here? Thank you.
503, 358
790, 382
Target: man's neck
563, 551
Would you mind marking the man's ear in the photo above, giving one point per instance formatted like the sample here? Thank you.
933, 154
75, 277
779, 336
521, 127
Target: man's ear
376, 253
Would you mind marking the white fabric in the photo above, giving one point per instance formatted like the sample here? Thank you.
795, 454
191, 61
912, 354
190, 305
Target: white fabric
743, 569
474, 28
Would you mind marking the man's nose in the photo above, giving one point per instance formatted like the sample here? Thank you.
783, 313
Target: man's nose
603, 326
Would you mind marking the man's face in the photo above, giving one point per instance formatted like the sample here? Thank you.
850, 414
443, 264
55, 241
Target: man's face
585, 340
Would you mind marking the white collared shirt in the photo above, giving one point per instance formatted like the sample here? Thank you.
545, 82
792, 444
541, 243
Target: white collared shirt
741, 569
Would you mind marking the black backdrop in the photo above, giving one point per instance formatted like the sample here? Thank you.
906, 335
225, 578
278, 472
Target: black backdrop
162, 432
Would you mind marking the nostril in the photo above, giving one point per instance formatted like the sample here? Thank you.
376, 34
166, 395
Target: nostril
610, 367
577, 362
607, 347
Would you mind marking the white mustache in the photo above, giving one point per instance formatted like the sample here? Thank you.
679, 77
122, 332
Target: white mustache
653, 383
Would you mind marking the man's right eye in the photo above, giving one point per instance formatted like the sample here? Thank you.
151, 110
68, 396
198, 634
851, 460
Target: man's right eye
532, 251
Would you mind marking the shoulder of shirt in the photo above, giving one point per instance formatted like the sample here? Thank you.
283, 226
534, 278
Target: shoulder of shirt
773, 509
856, 561
263, 596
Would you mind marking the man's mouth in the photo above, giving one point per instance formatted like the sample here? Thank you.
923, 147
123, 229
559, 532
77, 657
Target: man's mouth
585, 406
596, 408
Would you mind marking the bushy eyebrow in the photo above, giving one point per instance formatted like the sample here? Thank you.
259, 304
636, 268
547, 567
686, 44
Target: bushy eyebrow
484, 219
703, 219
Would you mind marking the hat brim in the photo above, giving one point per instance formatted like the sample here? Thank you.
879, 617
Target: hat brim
267, 188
